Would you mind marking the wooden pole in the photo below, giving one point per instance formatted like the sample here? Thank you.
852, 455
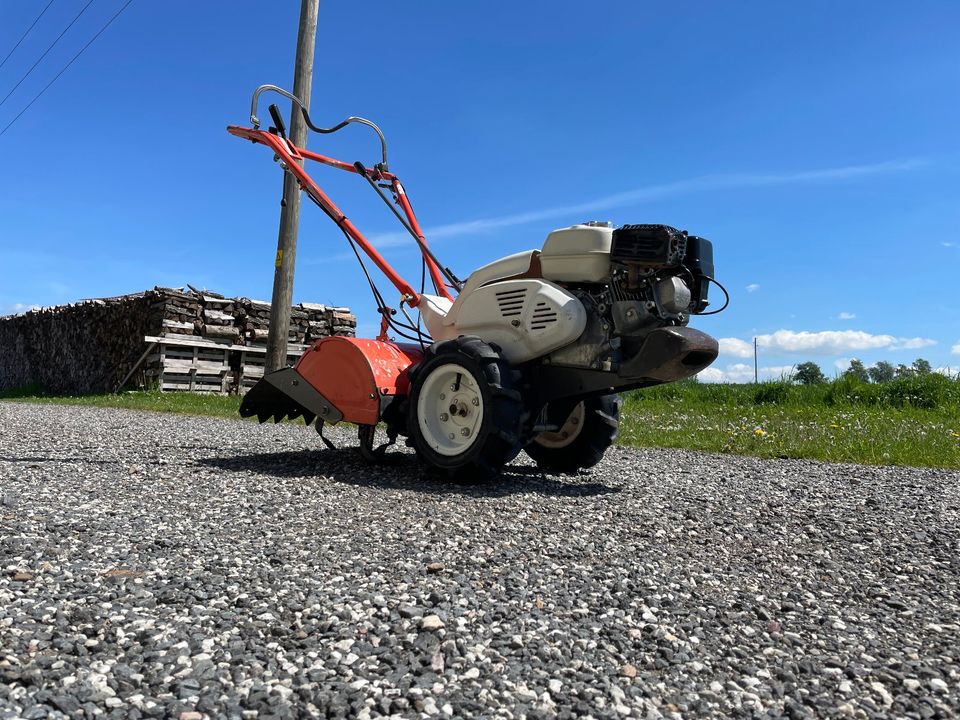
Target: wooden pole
756, 369
290, 204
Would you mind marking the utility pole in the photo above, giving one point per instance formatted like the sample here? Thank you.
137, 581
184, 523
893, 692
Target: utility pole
756, 369
290, 205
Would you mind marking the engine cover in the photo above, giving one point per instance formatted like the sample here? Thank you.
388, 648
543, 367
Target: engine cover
580, 253
527, 318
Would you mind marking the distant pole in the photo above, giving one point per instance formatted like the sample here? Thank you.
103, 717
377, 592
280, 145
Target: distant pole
290, 205
756, 369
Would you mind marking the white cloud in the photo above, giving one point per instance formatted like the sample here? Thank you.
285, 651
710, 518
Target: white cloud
828, 342
955, 349
846, 316
842, 364
823, 342
736, 347
949, 244
742, 373
752, 287
913, 343
703, 183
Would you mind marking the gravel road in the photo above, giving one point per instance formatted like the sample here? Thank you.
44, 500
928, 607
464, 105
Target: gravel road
164, 566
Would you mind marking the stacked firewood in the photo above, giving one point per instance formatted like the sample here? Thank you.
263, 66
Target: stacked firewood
74, 348
308, 321
218, 318
93, 345
343, 322
253, 318
173, 311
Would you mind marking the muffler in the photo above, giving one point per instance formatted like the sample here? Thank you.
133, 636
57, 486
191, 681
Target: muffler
669, 354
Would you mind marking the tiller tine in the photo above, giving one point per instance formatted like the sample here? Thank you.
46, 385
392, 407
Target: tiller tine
287, 394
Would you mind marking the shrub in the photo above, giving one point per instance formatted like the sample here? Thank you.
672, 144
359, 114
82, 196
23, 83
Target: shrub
919, 391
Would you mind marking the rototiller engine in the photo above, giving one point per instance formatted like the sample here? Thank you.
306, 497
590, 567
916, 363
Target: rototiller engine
528, 354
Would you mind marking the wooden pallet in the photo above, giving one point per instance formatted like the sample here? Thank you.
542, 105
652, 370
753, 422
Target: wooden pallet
194, 364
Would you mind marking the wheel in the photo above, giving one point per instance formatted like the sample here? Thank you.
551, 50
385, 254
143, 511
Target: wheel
589, 429
466, 414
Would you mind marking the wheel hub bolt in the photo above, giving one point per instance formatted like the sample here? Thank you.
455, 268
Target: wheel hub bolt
443, 396
476, 401
465, 432
444, 417
452, 436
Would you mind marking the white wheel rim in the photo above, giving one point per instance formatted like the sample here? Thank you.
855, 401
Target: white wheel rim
569, 432
450, 410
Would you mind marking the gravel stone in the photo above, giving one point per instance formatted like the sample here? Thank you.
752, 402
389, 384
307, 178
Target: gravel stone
431, 622
162, 566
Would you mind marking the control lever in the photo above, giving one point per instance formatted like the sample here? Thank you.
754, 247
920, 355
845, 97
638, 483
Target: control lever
278, 121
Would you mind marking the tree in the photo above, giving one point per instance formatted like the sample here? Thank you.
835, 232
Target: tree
809, 373
903, 371
857, 371
882, 372
922, 367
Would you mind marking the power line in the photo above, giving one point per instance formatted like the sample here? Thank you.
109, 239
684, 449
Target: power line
27, 73
64, 69
25, 33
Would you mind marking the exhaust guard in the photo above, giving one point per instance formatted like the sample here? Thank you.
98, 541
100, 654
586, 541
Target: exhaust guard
672, 353
667, 355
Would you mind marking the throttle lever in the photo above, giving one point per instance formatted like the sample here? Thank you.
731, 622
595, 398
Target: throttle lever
278, 121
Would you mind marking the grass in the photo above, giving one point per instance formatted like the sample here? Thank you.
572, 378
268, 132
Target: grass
170, 402
914, 421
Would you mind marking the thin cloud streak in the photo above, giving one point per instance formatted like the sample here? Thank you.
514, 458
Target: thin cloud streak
703, 183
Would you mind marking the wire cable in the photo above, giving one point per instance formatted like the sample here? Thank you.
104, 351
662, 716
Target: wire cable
726, 301
421, 242
382, 308
40, 59
25, 33
423, 285
385, 311
65, 67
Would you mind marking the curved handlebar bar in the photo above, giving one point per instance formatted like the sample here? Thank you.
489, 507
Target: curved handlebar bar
306, 116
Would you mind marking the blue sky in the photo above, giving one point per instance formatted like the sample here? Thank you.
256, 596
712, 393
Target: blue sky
815, 143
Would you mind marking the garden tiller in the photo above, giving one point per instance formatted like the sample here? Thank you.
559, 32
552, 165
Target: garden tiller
528, 353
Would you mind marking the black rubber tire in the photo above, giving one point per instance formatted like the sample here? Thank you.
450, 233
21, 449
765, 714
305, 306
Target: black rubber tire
499, 439
600, 428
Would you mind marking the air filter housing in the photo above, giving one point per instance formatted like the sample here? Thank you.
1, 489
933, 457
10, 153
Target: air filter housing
654, 246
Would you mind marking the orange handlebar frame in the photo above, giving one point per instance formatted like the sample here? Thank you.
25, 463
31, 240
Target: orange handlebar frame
292, 157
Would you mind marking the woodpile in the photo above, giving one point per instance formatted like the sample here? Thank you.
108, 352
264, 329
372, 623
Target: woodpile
308, 321
97, 345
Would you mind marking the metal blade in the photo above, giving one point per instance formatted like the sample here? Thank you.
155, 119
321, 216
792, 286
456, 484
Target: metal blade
286, 394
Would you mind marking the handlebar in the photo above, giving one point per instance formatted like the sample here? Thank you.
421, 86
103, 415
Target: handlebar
255, 121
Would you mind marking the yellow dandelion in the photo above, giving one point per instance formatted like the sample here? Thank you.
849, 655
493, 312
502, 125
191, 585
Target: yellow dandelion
759, 432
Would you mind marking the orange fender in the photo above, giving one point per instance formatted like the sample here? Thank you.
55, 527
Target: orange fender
357, 374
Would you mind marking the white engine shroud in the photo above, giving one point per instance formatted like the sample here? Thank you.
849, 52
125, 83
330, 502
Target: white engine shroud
527, 318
